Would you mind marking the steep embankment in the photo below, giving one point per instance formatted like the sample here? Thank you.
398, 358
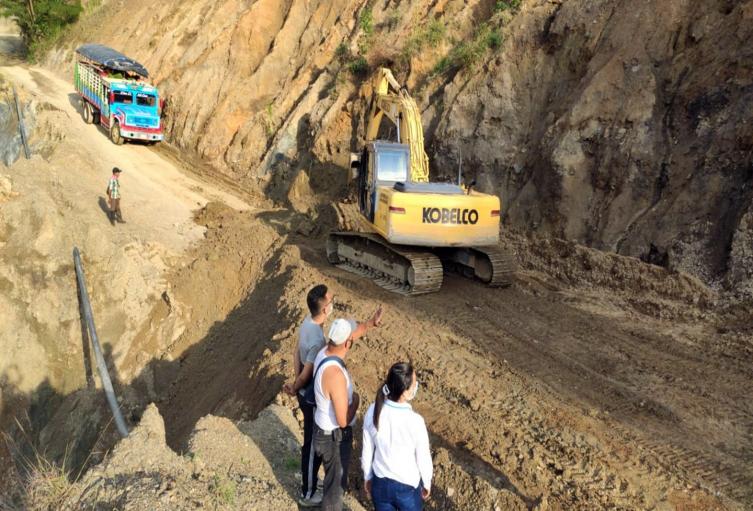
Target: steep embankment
623, 126
51, 203
592, 383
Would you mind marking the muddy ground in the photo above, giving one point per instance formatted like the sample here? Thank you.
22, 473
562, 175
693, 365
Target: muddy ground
595, 381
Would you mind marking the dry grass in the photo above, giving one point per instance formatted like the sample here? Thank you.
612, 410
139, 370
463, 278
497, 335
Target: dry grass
38, 484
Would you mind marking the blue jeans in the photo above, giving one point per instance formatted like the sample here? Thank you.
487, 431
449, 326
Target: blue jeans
390, 495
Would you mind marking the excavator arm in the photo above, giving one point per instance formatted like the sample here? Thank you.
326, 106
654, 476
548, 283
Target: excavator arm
393, 101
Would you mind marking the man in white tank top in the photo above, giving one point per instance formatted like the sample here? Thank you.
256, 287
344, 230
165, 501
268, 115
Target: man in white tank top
336, 406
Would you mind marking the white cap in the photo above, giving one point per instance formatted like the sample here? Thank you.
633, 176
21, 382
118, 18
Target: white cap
341, 330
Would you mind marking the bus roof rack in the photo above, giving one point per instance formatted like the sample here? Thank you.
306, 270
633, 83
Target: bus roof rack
112, 59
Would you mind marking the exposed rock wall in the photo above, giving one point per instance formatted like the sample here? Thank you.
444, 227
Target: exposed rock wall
621, 125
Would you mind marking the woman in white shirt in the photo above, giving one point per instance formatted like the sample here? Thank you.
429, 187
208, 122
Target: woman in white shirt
396, 460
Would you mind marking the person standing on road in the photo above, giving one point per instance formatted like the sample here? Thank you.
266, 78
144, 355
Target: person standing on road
113, 194
320, 303
396, 460
336, 406
311, 341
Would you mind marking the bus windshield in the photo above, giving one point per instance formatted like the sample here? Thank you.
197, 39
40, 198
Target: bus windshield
145, 99
122, 97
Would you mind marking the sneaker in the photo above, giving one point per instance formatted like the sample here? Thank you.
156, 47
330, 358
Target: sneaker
313, 501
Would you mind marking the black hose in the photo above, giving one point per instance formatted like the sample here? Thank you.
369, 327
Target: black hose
104, 375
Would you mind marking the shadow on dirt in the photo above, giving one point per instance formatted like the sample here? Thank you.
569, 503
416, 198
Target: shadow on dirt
224, 374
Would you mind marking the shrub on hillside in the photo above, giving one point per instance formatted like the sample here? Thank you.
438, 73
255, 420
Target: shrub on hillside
430, 35
40, 21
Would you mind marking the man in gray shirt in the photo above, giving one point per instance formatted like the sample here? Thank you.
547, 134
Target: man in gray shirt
311, 341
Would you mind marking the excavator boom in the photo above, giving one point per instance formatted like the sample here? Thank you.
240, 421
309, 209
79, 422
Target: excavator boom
394, 101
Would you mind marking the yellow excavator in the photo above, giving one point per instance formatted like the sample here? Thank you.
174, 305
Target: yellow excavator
410, 230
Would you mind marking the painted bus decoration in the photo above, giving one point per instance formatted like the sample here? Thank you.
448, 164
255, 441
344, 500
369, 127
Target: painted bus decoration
115, 93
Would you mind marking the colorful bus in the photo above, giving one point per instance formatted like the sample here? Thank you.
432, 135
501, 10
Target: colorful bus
115, 93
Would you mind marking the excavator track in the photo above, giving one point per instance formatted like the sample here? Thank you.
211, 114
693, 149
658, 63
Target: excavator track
399, 269
493, 266
502, 264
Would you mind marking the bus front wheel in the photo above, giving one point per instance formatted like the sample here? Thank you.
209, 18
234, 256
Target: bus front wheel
115, 135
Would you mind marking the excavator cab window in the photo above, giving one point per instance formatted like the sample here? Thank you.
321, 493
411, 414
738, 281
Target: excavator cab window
392, 165
383, 164
363, 180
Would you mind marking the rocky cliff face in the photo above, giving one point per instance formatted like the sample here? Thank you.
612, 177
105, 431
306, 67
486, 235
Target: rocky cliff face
621, 125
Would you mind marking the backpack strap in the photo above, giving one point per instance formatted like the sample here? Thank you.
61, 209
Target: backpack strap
309, 394
327, 359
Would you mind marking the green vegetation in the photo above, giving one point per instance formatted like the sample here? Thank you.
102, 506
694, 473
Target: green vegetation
354, 64
359, 66
93, 5
494, 39
224, 490
342, 52
442, 66
366, 24
41, 21
269, 119
366, 21
468, 53
433, 33
47, 485
505, 5
292, 464
430, 35
487, 36
35, 482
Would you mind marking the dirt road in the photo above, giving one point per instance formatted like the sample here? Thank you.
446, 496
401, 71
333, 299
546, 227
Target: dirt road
58, 202
623, 388
546, 392
638, 394
159, 194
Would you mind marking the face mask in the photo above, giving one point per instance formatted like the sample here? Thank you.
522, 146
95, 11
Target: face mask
413, 394
328, 309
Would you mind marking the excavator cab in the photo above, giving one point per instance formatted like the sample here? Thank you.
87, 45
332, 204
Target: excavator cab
382, 164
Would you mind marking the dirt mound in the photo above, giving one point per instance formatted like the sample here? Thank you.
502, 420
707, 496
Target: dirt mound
648, 288
51, 203
226, 466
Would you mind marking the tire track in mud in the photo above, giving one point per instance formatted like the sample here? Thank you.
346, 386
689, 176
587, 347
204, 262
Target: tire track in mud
490, 416
583, 400
529, 393
574, 354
